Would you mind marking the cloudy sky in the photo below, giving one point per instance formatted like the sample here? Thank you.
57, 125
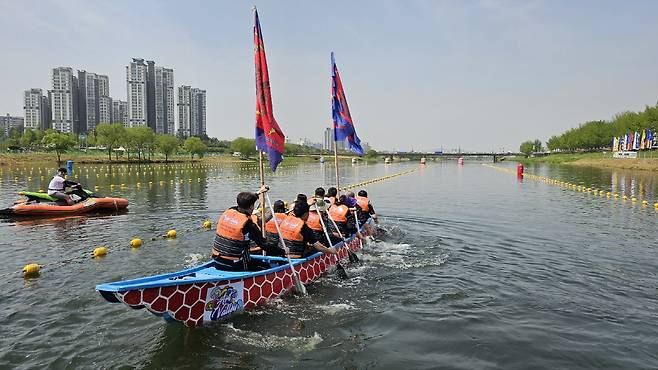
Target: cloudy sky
476, 75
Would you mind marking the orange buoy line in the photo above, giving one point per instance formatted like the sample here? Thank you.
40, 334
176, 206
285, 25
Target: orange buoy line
580, 188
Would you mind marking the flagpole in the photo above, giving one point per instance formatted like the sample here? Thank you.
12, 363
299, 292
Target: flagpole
262, 196
336, 163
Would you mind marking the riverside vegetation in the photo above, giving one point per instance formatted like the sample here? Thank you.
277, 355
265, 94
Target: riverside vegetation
116, 143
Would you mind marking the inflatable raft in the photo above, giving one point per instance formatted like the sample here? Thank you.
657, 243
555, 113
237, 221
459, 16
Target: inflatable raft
204, 294
41, 204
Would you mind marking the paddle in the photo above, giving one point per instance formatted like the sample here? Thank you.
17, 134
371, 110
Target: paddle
353, 257
340, 270
298, 283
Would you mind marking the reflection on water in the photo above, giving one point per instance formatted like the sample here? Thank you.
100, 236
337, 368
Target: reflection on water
640, 184
474, 270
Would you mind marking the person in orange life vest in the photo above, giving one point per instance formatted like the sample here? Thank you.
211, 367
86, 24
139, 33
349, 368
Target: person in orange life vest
298, 236
332, 193
235, 230
271, 234
322, 204
367, 211
317, 216
344, 217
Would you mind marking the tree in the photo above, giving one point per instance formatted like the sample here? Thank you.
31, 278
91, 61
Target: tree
110, 135
247, 147
167, 144
28, 138
371, 153
139, 138
194, 145
538, 146
58, 142
526, 147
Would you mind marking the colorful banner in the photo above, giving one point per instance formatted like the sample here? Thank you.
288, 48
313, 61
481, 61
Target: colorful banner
343, 125
269, 137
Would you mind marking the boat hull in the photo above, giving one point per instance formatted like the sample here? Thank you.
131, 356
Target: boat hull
204, 294
51, 209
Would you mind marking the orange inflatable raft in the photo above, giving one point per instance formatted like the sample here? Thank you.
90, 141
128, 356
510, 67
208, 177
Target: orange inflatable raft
53, 209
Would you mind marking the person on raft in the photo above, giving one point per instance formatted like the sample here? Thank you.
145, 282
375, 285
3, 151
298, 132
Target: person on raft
235, 231
367, 211
332, 193
271, 235
58, 184
342, 214
299, 238
319, 207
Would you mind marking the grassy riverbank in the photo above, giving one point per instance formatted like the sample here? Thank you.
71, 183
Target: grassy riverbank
81, 157
647, 161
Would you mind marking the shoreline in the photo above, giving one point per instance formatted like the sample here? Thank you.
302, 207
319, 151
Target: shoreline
647, 162
14, 159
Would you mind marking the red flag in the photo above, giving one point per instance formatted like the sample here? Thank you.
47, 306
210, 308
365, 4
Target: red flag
269, 137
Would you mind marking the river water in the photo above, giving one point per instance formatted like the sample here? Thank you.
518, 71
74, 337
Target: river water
474, 270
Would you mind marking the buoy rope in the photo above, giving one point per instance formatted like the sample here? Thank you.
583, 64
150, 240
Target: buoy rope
581, 188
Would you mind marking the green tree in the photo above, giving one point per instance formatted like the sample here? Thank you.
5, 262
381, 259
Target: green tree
538, 146
526, 147
139, 138
58, 142
371, 153
167, 145
111, 135
247, 147
28, 138
194, 145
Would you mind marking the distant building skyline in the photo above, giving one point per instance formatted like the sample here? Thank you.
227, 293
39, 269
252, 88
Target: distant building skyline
191, 111
136, 92
9, 122
63, 93
36, 109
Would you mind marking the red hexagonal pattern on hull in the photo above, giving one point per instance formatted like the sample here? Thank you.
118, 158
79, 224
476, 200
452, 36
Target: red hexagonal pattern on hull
186, 302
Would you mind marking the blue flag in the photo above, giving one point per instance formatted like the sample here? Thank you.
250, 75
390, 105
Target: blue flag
343, 126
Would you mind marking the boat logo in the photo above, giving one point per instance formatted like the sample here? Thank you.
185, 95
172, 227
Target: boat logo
222, 301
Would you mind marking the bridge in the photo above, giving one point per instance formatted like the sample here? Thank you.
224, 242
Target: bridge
496, 156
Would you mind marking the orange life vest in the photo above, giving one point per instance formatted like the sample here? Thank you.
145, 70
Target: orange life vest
230, 225
229, 239
291, 231
270, 227
364, 203
314, 221
338, 212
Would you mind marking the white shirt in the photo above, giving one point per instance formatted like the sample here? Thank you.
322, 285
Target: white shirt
56, 184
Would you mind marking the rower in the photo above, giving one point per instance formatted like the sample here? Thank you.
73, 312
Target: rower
271, 234
235, 230
332, 194
367, 211
319, 193
58, 184
340, 213
298, 236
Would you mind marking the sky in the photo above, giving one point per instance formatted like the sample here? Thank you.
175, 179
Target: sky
423, 75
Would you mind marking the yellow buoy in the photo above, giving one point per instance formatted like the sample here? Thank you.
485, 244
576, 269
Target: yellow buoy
31, 270
99, 252
645, 203
633, 199
171, 234
136, 243
207, 224
655, 205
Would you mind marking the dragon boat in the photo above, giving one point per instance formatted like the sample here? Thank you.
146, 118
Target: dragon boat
205, 294
35, 204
